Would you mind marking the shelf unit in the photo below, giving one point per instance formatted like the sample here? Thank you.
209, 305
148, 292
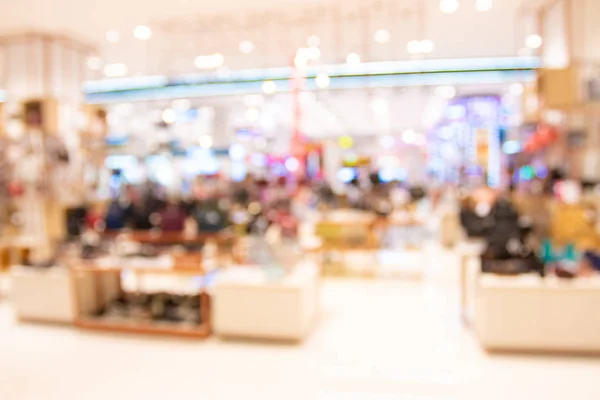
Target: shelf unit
109, 280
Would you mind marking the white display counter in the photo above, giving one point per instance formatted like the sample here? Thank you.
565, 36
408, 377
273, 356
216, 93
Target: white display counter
48, 295
534, 314
247, 304
469, 251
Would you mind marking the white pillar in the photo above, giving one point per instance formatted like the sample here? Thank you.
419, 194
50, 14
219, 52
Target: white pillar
46, 71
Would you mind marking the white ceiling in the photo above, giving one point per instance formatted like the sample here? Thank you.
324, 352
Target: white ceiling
276, 34
185, 29
324, 114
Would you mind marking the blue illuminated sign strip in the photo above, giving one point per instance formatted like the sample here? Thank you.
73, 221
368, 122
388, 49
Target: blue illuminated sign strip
343, 76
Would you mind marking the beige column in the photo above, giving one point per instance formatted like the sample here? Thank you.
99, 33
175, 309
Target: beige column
42, 77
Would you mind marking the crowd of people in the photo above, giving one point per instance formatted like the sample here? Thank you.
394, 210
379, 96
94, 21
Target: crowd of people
213, 204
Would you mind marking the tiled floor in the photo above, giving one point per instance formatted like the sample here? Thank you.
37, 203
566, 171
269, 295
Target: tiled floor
393, 340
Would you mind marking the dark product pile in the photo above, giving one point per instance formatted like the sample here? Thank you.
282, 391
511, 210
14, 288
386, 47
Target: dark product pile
157, 307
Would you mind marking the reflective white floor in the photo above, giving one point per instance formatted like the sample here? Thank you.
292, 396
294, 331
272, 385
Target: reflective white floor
393, 340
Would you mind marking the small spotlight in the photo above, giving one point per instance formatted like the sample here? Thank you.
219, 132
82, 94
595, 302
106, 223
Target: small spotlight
409, 136
516, 89
169, 116
483, 5
94, 63
142, 32
292, 164
246, 47
353, 59
322, 81
209, 62
533, 41
448, 6
427, 46
269, 87
206, 142
382, 36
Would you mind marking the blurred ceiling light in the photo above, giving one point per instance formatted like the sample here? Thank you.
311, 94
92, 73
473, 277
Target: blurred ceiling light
413, 47
252, 115
420, 46
445, 92
301, 59
448, 6
292, 164
313, 53
269, 87
322, 81
516, 89
345, 142
113, 36
379, 106
387, 141
483, 5
205, 141
169, 116
313, 41
353, 59
209, 62
382, 36
409, 136
94, 63
533, 41
181, 105
427, 46
246, 47
115, 70
142, 32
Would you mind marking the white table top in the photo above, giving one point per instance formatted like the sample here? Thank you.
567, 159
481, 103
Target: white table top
534, 281
253, 276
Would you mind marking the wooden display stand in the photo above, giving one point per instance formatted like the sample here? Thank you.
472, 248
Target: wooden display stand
159, 238
186, 266
559, 88
14, 251
344, 238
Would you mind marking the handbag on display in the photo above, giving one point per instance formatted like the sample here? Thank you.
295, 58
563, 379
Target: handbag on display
115, 217
474, 225
593, 260
209, 217
512, 266
506, 251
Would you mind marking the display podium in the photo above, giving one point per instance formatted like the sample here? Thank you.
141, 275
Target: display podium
533, 314
248, 304
48, 295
